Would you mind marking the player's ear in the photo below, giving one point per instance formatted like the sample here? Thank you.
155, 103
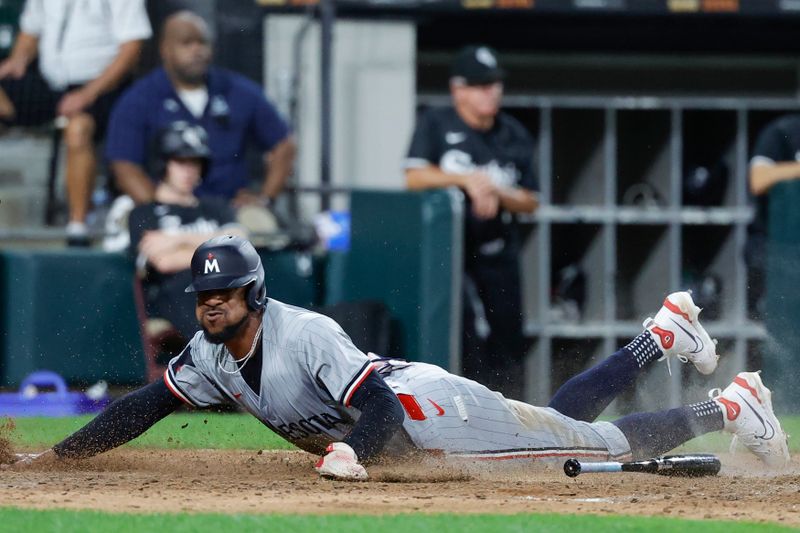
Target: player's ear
244, 291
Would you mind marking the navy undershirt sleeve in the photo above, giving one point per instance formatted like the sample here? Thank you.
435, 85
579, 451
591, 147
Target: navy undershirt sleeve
381, 417
122, 421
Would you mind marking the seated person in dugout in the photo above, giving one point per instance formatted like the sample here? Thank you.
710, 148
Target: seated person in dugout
165, 232
233, 110
300, 375
86, 53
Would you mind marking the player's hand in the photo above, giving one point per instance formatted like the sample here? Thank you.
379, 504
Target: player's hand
75, 102
340, 462
483, 194
486, 208
244, 197
12, 68
25, 460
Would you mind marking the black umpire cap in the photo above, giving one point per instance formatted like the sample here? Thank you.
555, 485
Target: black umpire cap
476, 65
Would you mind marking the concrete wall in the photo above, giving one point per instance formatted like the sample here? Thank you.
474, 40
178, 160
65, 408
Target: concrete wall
373, 97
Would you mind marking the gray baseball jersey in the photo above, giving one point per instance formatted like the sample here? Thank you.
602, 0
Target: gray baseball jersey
311, 369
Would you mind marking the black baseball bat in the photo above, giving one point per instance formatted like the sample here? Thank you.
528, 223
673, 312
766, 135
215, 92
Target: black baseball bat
689, 465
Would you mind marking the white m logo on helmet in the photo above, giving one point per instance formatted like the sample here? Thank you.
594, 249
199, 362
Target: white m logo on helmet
211, 266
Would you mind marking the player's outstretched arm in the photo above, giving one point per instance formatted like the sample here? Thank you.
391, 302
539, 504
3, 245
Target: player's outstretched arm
122, 421
381, 417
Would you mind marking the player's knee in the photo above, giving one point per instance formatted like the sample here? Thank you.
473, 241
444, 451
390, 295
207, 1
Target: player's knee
79, 131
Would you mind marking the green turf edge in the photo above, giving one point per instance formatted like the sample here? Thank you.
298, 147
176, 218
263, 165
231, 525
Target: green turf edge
179, 430
15, 519
206, 430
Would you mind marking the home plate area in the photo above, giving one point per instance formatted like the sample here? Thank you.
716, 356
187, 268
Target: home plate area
138, 480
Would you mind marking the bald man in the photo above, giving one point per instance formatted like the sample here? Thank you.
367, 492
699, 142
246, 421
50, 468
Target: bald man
232, 109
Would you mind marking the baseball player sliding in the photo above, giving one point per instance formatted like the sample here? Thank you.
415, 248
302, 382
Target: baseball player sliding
299, 374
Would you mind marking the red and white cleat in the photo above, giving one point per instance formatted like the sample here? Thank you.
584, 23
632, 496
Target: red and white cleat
747, 409
677, 330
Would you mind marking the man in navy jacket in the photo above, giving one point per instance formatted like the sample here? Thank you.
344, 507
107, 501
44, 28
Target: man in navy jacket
232, 109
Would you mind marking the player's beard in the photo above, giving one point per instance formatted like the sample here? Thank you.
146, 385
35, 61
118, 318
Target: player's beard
227, 333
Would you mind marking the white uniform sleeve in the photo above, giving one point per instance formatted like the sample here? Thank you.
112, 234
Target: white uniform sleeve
129, 21
189, 384
32, 17
333, 360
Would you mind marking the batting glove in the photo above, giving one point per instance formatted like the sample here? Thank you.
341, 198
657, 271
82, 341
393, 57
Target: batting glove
340, 462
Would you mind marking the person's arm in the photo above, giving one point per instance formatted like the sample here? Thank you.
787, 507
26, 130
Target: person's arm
341, 370
513, 199
433, 177
774, 157
279, 164
522, 196
422, 171
122, 421
172, 253
764, 176
381, 417
518, 199
483, 194
26, 47
130, 128
270, 133
126, 59
24, 51
133, 414
133, 181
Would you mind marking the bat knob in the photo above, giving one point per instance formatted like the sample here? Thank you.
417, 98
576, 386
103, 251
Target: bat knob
572, 467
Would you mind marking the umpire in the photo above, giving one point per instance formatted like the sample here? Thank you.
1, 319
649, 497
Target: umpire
489, 155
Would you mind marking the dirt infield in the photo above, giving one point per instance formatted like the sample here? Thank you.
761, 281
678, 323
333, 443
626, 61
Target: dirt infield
238, 481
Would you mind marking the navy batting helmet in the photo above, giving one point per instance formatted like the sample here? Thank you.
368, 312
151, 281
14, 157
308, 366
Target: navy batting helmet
226, 262
183, 140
